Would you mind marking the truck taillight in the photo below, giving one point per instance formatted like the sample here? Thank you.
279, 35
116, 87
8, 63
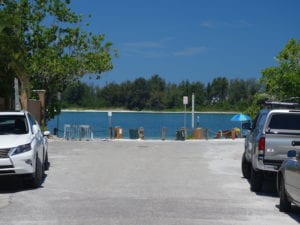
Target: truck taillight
262, 144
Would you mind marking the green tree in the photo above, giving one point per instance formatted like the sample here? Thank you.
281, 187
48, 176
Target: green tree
12, 53
173, 96
157, 88
80, 95
237, 91
283, 81
199, 90
218, 90
241, 93
74, 95
55, 50
138, 94
112, 95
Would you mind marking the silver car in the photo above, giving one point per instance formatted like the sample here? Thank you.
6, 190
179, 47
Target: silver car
288, 182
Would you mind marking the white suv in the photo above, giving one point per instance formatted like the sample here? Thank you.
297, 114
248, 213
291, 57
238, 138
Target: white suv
23, 147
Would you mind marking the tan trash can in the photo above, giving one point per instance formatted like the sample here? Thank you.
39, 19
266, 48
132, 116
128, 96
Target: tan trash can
198, 133
118, 132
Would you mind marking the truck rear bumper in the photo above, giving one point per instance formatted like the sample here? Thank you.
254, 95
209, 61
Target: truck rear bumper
269, 165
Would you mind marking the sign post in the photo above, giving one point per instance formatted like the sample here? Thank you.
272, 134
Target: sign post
110, 124
185, 102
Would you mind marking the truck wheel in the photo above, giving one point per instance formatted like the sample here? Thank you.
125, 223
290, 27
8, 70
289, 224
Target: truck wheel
256, 180
246, 167
37, 177
284, 203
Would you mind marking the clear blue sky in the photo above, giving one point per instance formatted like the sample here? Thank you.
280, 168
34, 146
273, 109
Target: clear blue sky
195, 40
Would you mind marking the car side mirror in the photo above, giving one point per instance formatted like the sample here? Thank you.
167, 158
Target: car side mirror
247, 126
35, 129
46, 133
291, 154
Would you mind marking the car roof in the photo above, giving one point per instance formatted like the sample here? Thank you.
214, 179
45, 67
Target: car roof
279, 111
12, 113
285, 110
281, 105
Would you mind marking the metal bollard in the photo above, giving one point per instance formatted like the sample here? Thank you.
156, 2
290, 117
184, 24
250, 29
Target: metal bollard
163, 133
141, 133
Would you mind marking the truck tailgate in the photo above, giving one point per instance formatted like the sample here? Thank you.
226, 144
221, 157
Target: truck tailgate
277, 146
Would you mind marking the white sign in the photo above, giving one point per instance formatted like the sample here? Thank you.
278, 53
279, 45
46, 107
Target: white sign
109, 114
185, 100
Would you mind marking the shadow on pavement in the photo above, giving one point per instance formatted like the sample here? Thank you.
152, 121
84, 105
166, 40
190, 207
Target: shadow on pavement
10, 184
13, 184
269, 190
295, 212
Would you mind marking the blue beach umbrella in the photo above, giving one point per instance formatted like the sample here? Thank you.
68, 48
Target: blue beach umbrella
240, 117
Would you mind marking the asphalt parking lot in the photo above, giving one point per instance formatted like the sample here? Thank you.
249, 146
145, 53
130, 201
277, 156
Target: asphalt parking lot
143, 182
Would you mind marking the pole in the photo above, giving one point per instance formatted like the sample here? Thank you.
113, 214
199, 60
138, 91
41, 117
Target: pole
185, 102
110, 124
193, 110
198, 121
57, 124
163, 133
184, 122
17, 99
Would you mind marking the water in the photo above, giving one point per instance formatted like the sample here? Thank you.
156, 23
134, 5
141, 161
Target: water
151, 122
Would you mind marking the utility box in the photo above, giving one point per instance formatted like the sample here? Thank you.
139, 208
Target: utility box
180, 134
133, 134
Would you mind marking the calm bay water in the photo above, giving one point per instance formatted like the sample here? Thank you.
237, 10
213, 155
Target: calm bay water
151, 122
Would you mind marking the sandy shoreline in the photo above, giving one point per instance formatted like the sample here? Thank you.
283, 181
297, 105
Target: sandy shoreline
132, 111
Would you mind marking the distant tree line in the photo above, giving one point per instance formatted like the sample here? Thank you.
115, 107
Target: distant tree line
157, 94
278, 83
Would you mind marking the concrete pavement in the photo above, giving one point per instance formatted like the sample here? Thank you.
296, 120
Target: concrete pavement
143, 182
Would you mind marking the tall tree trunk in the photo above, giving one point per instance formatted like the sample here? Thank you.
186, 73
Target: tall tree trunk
23, 99
24, 92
